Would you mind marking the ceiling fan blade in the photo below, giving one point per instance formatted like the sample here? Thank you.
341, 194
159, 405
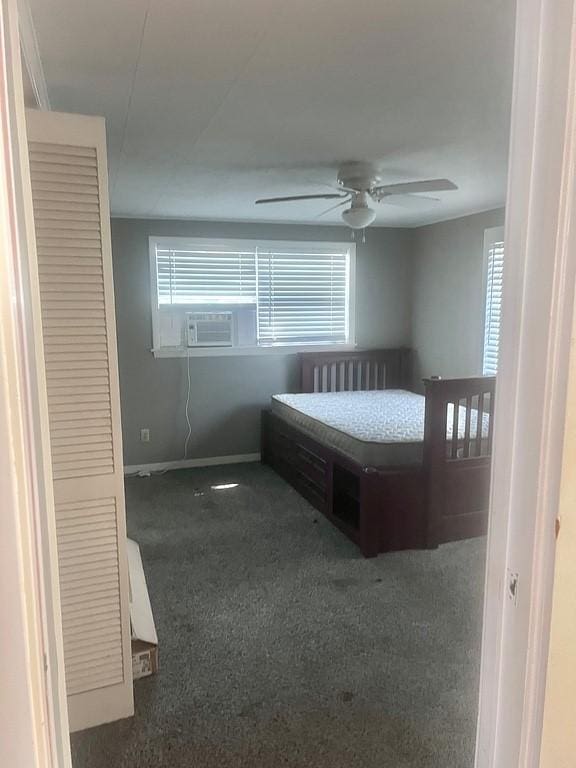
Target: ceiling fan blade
334, 207
415, 202
325, 196
411, 187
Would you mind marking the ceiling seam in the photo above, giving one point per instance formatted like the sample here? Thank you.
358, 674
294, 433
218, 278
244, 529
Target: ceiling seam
130, 96
239, 76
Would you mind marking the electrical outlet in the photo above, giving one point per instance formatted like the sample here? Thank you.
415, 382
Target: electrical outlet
144, 435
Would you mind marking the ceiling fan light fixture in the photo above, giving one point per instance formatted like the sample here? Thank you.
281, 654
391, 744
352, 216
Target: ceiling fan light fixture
358, 217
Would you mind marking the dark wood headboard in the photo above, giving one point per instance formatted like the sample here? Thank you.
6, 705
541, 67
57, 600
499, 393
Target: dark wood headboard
357, 370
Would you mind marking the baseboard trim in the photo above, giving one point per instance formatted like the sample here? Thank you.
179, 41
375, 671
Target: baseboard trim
210, 461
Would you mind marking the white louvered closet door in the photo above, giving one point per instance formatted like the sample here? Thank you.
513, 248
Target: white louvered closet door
69, 189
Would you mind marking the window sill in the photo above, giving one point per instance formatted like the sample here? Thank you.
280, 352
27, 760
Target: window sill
249, 351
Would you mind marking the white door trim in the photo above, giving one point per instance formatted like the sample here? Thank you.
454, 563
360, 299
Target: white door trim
539, 277
33, 708
31, 55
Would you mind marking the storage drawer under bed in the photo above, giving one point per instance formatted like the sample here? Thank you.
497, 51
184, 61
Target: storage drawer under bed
288, 450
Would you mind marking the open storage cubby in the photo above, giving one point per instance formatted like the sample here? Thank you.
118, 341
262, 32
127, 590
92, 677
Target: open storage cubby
346, 496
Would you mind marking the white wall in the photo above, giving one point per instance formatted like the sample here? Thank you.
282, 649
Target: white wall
448, 295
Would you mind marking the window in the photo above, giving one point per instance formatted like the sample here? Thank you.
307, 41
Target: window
302, 296
494, 258
270, 294
205, 275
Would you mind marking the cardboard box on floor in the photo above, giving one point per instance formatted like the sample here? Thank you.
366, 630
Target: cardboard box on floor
144, 637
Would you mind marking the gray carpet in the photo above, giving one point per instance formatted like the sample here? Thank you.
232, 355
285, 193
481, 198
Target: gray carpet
281, 646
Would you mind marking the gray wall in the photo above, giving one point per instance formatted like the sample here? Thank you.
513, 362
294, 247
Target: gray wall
228, 392
447, 295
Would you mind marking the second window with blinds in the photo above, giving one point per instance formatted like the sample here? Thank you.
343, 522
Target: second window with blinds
250, 297
494, 270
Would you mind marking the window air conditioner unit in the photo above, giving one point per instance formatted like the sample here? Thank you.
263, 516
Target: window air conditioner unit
209, 329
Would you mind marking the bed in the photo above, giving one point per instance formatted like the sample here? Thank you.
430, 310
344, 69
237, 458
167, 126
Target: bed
391, 468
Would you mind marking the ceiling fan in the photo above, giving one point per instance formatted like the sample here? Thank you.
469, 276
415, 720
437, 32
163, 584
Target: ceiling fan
361, 185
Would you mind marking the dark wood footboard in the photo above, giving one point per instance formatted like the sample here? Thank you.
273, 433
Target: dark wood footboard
457, 456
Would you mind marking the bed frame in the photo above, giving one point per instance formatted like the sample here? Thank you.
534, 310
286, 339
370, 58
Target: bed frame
381, 508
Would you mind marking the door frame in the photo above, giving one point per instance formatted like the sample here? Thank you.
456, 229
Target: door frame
33, 706
529, 421
539, 272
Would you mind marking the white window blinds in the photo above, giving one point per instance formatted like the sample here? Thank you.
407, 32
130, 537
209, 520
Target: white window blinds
205, 276
292, 293
495, 268
302, 296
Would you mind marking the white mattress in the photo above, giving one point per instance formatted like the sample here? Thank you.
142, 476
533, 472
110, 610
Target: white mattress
380, 427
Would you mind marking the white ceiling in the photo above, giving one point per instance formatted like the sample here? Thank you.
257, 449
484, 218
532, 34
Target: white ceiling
211, 104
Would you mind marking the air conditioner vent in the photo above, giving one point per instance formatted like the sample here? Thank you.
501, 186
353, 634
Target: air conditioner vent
209, 329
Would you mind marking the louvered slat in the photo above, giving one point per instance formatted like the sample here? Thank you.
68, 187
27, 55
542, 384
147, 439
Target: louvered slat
75, 336
87, 538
